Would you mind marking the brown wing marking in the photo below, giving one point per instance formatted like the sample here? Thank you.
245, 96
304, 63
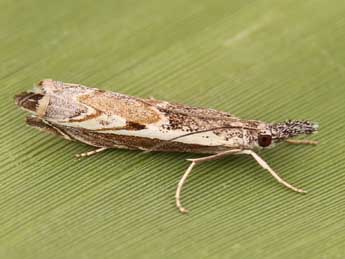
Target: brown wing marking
126, 107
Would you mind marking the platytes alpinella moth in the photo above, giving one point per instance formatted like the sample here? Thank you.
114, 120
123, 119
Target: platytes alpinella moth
106, 120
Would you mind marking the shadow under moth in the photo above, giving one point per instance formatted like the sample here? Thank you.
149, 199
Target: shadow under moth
106, 120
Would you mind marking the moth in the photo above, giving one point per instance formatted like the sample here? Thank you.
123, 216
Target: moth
107, 120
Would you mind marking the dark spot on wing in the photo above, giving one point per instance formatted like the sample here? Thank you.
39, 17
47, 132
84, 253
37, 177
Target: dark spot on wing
130, 125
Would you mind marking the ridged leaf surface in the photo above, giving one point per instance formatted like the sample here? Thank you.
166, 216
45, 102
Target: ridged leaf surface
268, 60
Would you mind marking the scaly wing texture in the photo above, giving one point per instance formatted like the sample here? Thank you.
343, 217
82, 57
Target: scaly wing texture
268, 60
89, 114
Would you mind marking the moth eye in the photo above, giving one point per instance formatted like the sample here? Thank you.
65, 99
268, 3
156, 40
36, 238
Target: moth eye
265, 140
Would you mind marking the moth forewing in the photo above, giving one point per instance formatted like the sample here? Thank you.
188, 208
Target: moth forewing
106, 119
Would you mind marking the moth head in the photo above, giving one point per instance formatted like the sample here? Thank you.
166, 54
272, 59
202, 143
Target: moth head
292, 128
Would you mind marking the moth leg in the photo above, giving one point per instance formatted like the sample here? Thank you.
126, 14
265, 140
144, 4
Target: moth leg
90, 153
179, 188
267, 167
303, 142
189, 170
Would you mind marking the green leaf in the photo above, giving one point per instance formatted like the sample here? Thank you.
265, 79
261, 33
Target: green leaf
268, 60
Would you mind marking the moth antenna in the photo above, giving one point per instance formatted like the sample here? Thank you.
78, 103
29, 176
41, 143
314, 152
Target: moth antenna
193, 133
